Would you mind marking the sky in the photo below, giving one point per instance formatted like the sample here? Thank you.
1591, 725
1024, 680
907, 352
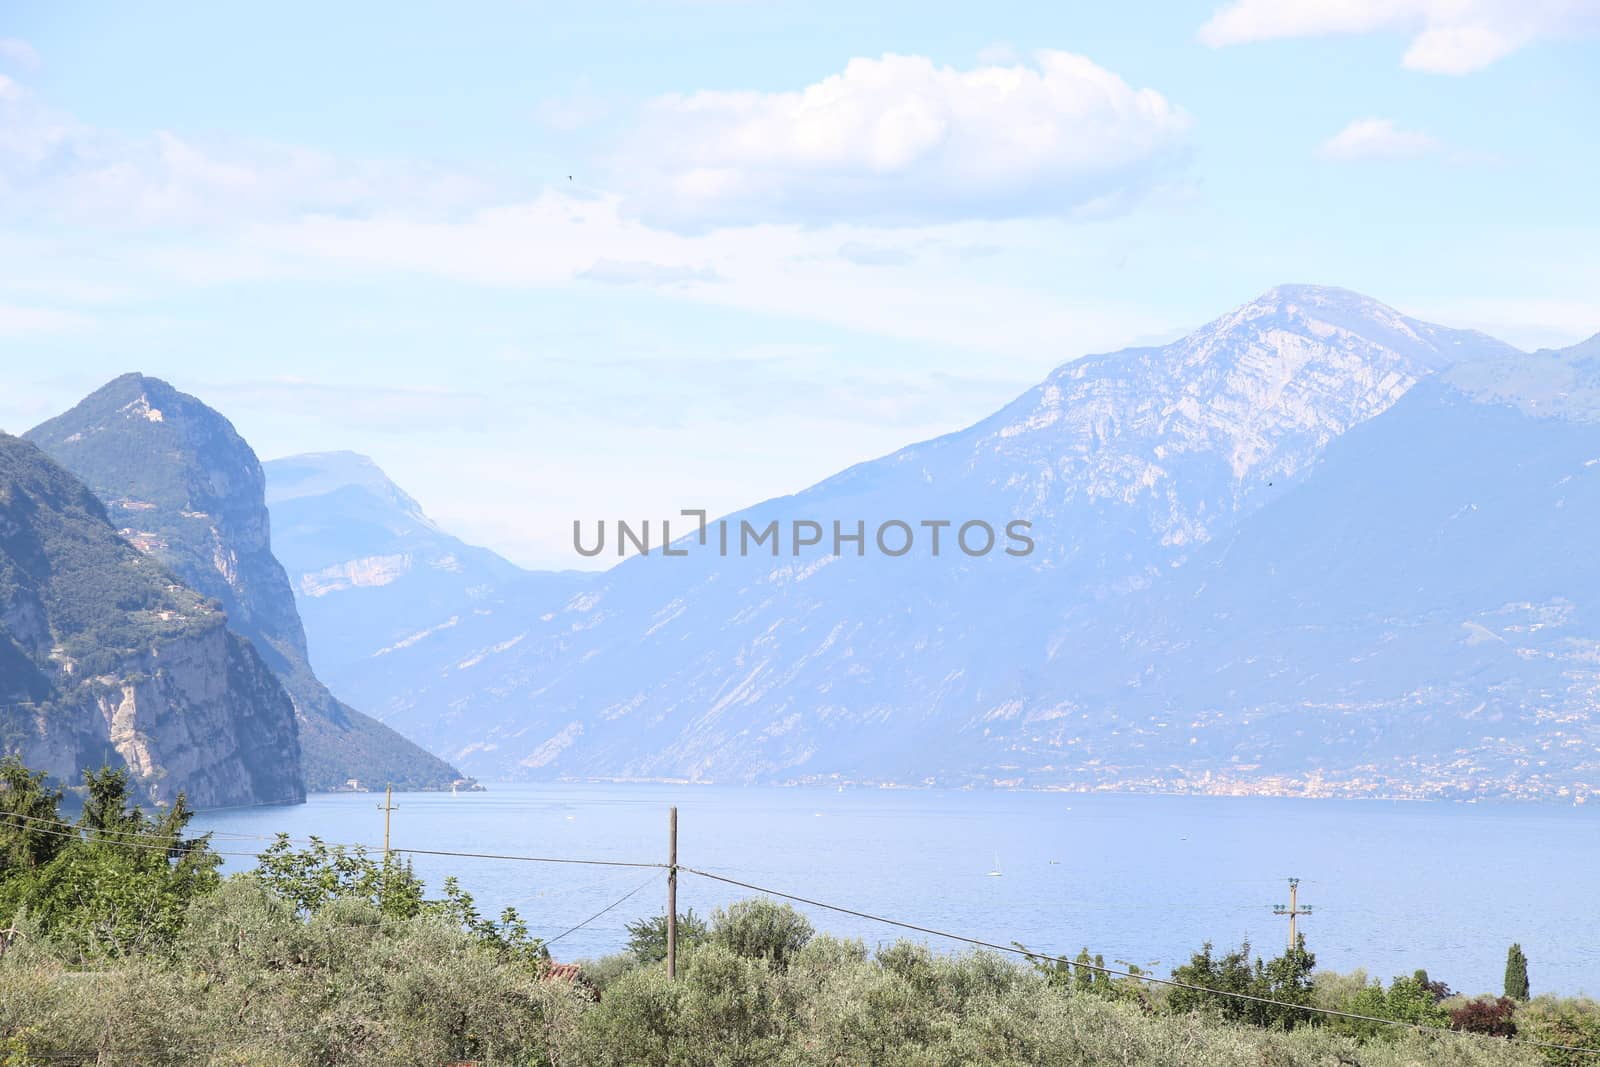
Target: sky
553, 262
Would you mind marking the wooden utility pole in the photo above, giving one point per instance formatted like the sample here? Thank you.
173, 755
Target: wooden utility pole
386, 807
1293, 911
672, 893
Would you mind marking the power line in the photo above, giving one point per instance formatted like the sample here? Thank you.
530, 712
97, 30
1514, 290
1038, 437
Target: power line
76, 833
615, 904
530, 859
59, 828
108, 831
1113, 972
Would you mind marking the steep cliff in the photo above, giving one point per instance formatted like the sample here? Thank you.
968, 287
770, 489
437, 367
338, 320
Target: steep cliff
184, 487
106, 658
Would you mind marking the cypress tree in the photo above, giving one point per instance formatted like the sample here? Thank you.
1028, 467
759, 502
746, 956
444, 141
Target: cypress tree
1102, 980
1083, 977
1516, 974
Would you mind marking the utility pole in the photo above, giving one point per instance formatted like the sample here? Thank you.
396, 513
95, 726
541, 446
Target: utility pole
1293, 911
672, 893
387, 807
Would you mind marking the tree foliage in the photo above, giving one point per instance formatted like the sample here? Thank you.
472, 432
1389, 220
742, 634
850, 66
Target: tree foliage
319, 876
30, 811
115, 883
761, 929
1493, 1016
1266, 992
647, 938
1516, 984
1407, 1000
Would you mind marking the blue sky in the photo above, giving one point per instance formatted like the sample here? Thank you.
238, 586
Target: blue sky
550, 262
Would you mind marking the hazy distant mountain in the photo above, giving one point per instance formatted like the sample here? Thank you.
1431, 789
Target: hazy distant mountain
1133, 626
182, 486
106, 658
385, 594
1421, 616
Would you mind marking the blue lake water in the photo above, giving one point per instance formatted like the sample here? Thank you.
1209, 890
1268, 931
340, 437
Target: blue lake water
1394, 886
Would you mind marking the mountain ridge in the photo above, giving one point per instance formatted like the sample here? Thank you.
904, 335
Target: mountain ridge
192, 494
103, 650
371, 572
812, 667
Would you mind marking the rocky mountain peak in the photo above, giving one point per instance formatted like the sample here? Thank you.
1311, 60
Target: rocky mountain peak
138, 396
1181, 439
1340, 318
1300, 363
181, 485
1326, 299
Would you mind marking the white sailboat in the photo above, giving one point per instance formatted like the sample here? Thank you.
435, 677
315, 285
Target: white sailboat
996, 872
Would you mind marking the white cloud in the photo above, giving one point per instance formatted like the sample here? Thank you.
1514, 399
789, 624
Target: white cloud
900, 140
654, 275
787, 269
19, 54
94, 211
581, 108
18, 321
1450, 36
53, 166
868, 255
366, 404
999, 53
1378, 139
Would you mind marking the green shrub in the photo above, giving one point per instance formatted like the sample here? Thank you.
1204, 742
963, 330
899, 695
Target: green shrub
761, 929
1562, 1021
647, 938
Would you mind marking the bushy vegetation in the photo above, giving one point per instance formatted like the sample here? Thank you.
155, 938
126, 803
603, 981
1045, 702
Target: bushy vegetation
116, 886
647, 938
128, 948
250, 982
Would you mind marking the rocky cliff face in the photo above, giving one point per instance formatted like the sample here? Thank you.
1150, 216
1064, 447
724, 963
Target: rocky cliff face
182, 486
105, 658
199, 714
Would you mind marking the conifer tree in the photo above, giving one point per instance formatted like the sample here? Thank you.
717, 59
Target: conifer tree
1516, 974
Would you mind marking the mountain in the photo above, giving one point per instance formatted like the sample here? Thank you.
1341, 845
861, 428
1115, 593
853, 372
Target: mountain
105, 657
383, 591
182, 486
1421, 617
1136, 619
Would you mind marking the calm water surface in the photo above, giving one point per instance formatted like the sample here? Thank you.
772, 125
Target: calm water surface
1394, 886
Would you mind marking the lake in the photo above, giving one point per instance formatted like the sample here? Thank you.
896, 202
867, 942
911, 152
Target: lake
1143, 879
